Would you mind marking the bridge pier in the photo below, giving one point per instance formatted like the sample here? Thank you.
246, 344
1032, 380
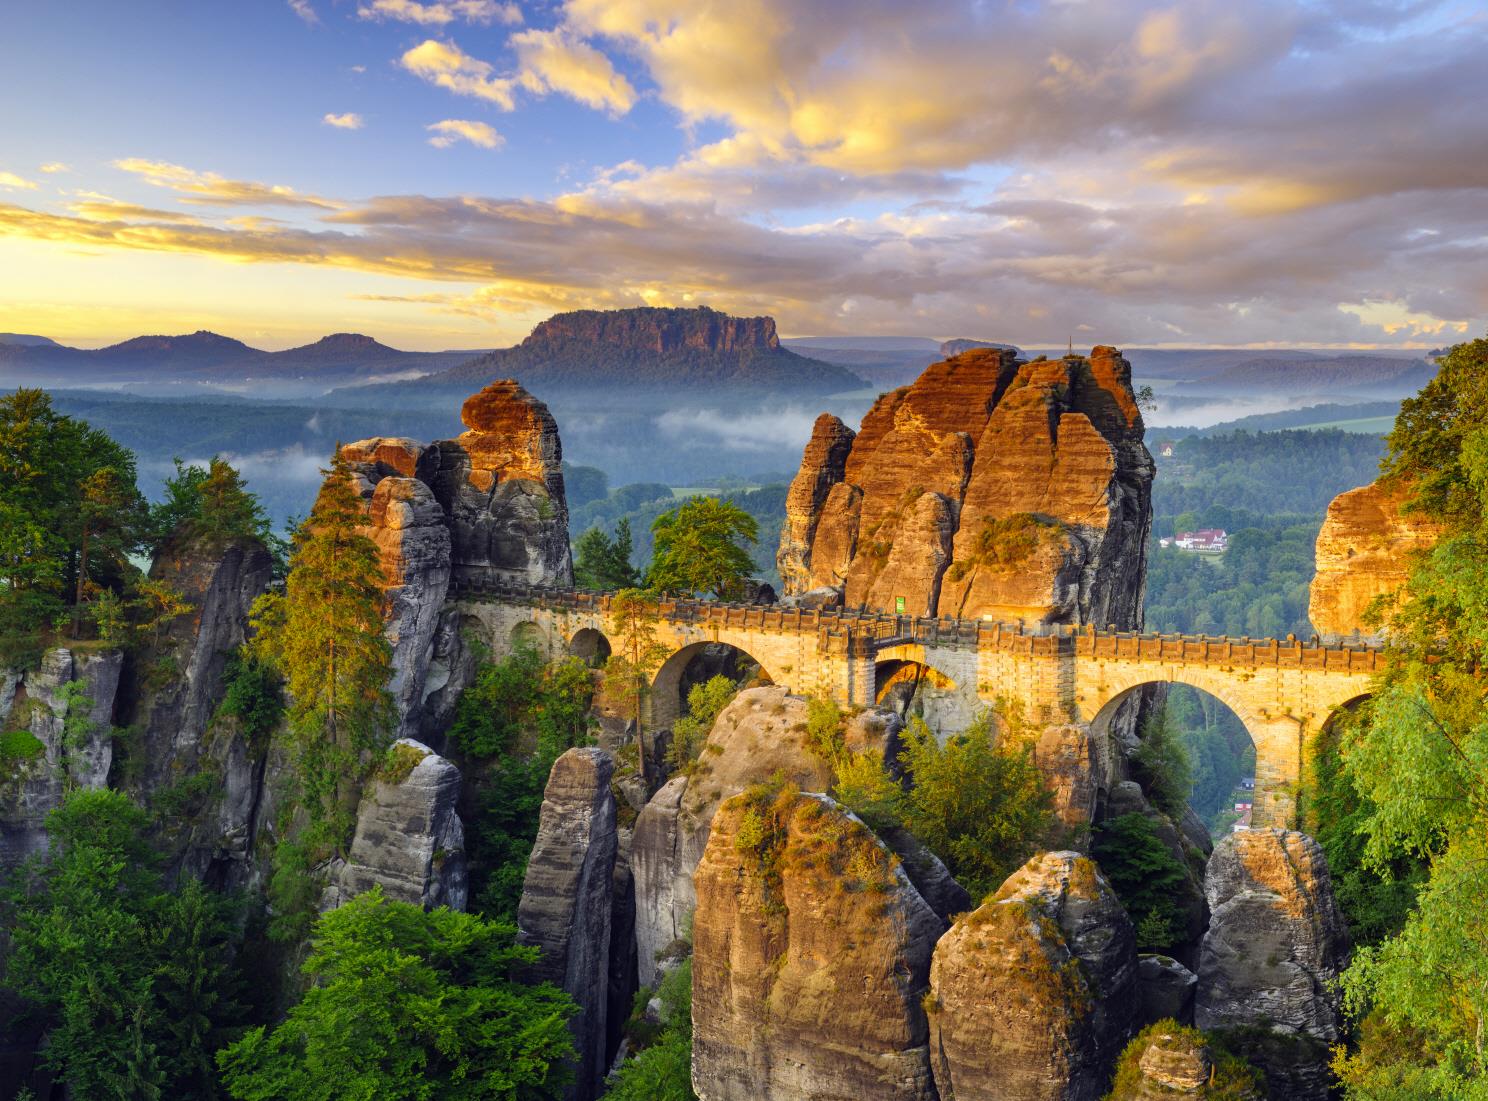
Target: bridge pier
1279, 744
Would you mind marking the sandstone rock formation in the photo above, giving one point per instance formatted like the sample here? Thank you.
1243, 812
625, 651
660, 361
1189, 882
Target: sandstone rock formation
1169, 1062
1276, 941
486, 507
409, 838
811, 953
989, 487
1166, 989
172, 715
1032, 994
63, 713
1364, 551
759, 734
567, 900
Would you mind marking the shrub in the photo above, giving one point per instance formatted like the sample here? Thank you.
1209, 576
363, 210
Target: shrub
704, 703
1232, 1078
1146, 877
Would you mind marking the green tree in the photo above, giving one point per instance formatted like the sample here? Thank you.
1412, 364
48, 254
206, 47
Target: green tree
603, 563
324, 637
1162, 765
409, 1004
635, 656
132, 982
704, 702
662, 1071
1145, 876
1417, 761
700, 548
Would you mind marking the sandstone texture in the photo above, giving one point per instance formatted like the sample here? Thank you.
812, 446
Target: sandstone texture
988, 487
1276, 941
60, 744
760, 734
1364, 551
1166, 989
567, 900
1033, 994
409, 839
811, 955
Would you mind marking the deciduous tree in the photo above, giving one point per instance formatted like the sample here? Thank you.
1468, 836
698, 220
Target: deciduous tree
700, 548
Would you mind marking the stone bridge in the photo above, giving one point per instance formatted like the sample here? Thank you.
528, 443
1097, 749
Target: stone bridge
1284, 691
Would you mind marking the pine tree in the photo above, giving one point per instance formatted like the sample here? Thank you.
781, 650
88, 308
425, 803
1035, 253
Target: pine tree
636, 655
324, 635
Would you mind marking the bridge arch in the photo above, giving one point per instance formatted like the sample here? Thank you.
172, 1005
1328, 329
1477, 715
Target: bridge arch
669, 688
910, 681
528, 635
591, 646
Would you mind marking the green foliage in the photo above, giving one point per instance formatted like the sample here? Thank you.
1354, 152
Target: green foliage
1219, 750
824, 729
1232, 1079
662, 1071
323, 635
636, 655
409, 1004
583, 484
208, 505
70, 516
17, 747
1145, 876
977, 804
704, 702
132, 981
252, 696
700, 548
1162, 766
603, 563
1417, 763
515, 720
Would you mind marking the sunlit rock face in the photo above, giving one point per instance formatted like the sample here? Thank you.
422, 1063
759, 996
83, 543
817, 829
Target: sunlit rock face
1033, 994
1364, 551
989, 487
811, 956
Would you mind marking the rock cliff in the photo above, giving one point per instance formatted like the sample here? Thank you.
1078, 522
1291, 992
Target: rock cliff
760, 734
811, 954
59, 723
1364, 551
567, 900
989, 487
409, 838
1271, 958
1032, 994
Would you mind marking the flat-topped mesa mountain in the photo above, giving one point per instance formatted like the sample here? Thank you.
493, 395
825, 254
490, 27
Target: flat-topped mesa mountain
653, 348
991, 487
961, 344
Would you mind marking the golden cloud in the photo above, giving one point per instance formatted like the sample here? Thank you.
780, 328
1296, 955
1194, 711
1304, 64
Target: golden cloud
349, 121
555, 61
447, 66
16, 183
210, 189
449, 131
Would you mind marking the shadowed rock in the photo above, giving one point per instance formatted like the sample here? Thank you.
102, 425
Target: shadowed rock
567, 900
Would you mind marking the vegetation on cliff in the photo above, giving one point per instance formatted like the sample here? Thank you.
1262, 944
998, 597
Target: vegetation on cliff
1417, 762
603, 563
405, 1004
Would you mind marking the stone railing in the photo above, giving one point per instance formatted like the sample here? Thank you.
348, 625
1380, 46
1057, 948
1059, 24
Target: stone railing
884, 630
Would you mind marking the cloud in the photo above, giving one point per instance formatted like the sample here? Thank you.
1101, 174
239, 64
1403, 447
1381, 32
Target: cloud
447, 66
555, 61
16, 183
307, 13
210, 189
548, 61
439, 14
53, 167
349, 121
93, 205
449, 131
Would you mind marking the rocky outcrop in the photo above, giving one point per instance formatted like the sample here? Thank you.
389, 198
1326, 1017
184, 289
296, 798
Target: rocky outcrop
409, 839
1166, 990
1032, 994
989, 487
760, 734
811, 954
59, 723
1276, 941
1065, 755
1271, 958
1364, 551
1170, 1062
567, 900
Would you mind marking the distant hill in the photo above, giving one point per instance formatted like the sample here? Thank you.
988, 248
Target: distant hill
207, 359
26, 341
1353, 375
650, 348
884, 361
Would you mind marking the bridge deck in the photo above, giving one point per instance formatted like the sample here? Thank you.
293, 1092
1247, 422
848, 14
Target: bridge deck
882, 630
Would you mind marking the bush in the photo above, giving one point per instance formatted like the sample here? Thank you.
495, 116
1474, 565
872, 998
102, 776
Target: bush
1232, 1079
704, 703
1145, 876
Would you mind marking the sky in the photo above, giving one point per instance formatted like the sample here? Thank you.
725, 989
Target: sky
445, 174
